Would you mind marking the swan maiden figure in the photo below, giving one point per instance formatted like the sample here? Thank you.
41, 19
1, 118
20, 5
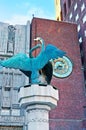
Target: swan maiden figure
33, 64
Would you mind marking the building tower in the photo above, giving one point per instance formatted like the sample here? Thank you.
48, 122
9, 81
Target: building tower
74, 11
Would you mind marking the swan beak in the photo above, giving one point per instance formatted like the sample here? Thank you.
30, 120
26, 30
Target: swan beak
37, 39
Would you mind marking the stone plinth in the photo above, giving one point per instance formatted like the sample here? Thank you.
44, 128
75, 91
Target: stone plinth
38, 101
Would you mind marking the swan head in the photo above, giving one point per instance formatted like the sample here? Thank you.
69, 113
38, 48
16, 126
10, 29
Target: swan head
38, 39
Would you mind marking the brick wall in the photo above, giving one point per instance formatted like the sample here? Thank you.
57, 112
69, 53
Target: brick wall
71, 89
76, 14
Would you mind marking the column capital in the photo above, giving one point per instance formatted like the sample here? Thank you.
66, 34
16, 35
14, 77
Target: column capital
38, 95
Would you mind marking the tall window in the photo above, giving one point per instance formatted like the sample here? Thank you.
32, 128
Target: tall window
65, 10
71, 15
69, 3
11, 38
6, 98
75, 7
82, 7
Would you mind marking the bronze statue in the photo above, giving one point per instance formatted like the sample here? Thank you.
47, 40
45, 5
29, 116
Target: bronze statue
35, 66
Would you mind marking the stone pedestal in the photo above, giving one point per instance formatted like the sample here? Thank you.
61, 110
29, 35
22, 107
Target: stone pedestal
38, 101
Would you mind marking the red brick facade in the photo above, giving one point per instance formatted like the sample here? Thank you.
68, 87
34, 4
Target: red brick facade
70, 112
75, 11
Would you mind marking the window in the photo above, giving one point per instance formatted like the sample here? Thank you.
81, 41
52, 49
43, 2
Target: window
70, 15
84, 19
11, 38
85, 33
1, 78
84, 111
5, 112
77, 17
80, 40
7, 78
78, 28
75, 7
65, 11
15, 97
82, 7
6, 98
69, 3
15, 112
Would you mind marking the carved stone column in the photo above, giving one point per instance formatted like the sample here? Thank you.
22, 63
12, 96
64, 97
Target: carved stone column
38, 101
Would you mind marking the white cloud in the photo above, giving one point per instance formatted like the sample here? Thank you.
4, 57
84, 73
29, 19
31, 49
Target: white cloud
17, 19
22, 19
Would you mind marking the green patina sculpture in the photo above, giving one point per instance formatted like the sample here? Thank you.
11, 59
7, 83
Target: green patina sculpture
32, 65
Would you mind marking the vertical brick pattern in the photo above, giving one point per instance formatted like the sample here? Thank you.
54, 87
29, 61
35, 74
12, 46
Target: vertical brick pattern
71, 89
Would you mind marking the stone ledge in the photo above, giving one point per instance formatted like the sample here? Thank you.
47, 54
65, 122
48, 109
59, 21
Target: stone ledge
43, 95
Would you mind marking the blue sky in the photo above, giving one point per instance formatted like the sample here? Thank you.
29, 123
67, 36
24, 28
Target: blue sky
19, 11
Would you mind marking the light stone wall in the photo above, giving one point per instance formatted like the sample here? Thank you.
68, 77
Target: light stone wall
13, 39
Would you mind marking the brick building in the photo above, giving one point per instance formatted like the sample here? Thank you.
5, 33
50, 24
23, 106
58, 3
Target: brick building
74, 11
69, 114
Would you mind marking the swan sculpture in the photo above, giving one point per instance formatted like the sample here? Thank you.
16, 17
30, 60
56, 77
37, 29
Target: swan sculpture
32, 65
